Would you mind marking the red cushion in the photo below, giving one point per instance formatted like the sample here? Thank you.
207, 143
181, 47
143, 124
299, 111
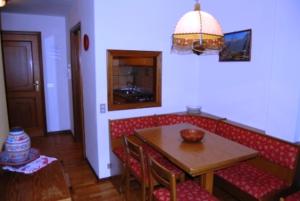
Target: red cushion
293, 197
185, 191
121, 127
148, 150
203, 122
274, 150
136, 168
120, 153
170, 119
249, 179
170, 166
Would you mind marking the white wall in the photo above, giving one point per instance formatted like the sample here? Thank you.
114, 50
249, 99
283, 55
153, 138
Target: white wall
263, 93
131, 25
53, 30
142, 25
3, 108
284, 81
83, 11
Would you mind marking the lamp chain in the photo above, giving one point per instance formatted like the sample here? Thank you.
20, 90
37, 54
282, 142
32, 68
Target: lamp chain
200, 17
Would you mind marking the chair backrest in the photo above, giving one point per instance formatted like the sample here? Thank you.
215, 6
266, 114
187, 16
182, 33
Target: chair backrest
135, 152
163, 176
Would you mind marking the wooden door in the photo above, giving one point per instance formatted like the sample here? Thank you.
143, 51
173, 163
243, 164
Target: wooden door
78, 117
24, 81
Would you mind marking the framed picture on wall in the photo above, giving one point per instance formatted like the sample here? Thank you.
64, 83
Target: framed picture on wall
237, 46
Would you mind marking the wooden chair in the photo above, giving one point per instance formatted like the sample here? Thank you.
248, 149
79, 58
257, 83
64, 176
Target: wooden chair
136, 165
293, 197
184, 191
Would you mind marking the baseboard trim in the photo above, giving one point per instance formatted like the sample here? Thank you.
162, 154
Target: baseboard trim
88, 162
68, 132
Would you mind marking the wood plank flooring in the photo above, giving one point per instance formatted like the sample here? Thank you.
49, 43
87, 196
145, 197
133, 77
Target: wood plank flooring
83, 184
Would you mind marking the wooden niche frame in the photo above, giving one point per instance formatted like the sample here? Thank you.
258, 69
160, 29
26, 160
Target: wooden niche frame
133, 59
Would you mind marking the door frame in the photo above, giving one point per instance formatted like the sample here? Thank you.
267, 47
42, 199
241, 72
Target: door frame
76, 73
41, 73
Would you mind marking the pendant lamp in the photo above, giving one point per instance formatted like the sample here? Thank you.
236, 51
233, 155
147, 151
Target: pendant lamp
197, 32
2, 3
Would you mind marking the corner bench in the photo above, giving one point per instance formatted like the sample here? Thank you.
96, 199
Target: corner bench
263, 178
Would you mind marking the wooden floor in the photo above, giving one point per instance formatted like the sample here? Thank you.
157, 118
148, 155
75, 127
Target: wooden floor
84, 185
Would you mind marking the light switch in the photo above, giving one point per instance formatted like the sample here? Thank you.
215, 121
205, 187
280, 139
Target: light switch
102, 108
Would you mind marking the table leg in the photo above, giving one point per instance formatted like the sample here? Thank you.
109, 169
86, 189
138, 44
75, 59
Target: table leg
207, 181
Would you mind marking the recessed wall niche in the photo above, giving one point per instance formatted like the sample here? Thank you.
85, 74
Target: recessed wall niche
134, 79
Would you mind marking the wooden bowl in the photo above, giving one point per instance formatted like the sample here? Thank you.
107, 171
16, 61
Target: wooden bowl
192, 135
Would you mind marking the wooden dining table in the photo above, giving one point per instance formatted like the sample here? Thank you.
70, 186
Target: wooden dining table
201, 158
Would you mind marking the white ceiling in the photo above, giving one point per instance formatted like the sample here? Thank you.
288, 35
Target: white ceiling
41, 7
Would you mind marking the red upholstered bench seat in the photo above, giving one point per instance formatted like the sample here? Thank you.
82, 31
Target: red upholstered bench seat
151, 151
121, 127
207, 123
252, 180
185, 191
121, 154
260, 178
136, 168
272, 149
293, 197
135, 165
277, 158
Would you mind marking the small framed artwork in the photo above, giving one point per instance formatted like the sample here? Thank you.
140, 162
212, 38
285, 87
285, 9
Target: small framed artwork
237, 46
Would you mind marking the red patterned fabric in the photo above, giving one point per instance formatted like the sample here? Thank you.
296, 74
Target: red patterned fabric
121, 127
170, 119
203, 122
200, 121
249, 179
293, 197
185, 191
135, 165
272, 149
148, 150
120, 153
136, 168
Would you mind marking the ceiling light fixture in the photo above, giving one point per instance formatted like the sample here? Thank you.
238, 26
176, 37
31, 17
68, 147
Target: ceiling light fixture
197, 32
2, 3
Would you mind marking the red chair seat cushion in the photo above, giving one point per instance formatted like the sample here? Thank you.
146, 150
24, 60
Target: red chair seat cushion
148, 150
120, 153
251, 180
185, 191
293, 197
135, 165
136, 168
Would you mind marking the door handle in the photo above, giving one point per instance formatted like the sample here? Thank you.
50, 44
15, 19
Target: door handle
37, 85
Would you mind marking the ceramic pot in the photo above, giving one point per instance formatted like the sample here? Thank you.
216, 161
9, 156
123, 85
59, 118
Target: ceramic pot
17, 145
